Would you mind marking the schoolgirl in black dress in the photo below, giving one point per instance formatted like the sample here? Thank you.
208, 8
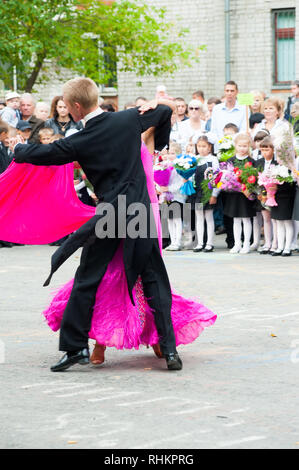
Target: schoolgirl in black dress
270, 226
237, 205
204, 213
282, 213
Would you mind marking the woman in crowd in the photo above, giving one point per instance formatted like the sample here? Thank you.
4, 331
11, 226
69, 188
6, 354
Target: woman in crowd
61, 121
272, 121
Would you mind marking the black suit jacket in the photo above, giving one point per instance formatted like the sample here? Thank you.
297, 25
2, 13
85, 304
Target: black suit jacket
108, 150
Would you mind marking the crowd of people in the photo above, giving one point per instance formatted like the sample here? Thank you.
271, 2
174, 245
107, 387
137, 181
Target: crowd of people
203, 130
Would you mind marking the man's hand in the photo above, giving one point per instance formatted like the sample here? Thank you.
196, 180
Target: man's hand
147, 106
13, 141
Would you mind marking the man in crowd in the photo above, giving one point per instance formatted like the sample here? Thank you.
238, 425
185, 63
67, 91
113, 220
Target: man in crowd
181, 107
228, 111
27, 106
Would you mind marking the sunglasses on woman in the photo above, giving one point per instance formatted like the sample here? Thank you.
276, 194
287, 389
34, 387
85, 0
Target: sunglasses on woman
191, 108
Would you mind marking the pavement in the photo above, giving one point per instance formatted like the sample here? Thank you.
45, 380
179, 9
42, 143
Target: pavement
238, 388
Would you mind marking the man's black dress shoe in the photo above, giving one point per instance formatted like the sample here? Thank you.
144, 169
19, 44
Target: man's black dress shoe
173, 361
70, 359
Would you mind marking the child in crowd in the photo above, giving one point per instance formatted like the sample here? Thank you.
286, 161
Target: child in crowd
24, 129
45, 135
259, 136
204, 213
230, 129
282, 215
224, 223
270, 231
295, 215
258, 219
237, 205
175, 212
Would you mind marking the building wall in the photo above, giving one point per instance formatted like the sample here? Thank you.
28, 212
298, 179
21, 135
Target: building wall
251, 47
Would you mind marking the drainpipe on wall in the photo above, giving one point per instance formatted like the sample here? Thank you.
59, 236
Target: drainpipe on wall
227, 40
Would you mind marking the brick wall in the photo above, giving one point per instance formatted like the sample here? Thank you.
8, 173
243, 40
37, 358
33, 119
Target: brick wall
251, 42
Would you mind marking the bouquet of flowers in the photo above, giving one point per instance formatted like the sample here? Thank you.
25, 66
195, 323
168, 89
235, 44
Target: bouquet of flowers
285, 151
228, 180
211, 181
185, 166
162, 172
225, 179
226, 148
248, 177
276, 174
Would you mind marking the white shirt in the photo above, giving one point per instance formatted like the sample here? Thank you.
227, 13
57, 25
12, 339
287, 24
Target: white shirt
221, 116
278, 123
93, 114
267, 164
184, 132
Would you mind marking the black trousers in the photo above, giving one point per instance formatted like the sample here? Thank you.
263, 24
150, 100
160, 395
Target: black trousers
95, 258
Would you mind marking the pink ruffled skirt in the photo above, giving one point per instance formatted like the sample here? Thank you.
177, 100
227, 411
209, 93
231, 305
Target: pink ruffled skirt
118, 323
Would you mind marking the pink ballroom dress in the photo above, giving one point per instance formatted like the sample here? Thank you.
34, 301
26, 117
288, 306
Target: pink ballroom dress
40, 205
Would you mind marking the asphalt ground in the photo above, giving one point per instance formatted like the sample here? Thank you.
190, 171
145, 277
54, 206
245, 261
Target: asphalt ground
238, 388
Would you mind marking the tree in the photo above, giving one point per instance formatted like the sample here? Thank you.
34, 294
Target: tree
89, 37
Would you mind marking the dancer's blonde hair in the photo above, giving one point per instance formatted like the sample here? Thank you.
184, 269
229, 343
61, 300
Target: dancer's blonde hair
83, 91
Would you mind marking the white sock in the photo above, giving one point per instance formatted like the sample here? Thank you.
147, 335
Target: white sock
257, 225
178, 229
289, 231
280, 234
237, 231
171, 229
267, 229
188, 233
247, 229
199, 226
210, 227
274, 232
295, 237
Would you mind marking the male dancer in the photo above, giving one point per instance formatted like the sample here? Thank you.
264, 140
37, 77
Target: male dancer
108, 150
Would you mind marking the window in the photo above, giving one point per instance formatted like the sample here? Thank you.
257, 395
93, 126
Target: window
284, 46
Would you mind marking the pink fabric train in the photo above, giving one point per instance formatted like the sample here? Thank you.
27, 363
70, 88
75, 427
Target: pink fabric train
39, 204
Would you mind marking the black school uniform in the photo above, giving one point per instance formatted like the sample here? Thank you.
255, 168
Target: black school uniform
199, 176
236, 204
260, 163
285, 198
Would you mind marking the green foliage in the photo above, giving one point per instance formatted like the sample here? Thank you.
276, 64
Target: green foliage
89, 37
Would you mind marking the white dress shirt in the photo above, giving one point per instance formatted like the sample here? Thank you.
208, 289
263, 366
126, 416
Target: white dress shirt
221, 116
93, 114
